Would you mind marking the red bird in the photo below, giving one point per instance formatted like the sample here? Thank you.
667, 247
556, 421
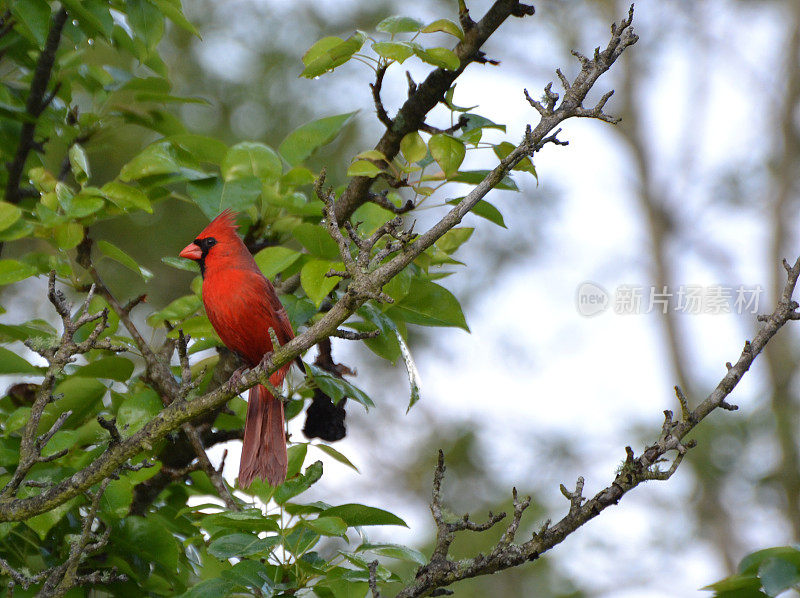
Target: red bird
242, 306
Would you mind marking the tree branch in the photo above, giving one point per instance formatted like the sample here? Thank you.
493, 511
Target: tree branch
424, 97
36, 103
441, 571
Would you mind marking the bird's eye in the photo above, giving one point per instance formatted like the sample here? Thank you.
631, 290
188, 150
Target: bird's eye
206, 243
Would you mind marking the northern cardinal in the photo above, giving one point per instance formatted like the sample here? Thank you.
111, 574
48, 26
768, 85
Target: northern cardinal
242, 306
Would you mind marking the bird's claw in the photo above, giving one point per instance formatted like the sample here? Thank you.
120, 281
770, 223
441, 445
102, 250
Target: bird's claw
267, 357
236, 377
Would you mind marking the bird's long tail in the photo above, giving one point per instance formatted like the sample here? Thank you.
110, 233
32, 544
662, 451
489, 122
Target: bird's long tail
264, 446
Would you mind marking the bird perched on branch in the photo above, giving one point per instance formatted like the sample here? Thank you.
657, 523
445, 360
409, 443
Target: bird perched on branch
242, 306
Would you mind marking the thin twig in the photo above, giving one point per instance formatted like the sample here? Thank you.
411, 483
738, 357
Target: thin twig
35, 105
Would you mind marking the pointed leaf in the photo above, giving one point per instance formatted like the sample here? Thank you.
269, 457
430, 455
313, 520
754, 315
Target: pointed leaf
445, 25
363, 168
398, 24
126, 197
301, 143
248, 159
398, 51
13, 271
323, 58
214, 195
315, 283
448, 152
274, 260
413, 147
357, 515
115, 253
429, 304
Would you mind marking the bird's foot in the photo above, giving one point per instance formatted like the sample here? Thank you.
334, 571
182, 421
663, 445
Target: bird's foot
236, 377
267, 357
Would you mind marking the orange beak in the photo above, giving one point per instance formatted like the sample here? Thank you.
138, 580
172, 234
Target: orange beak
192, 252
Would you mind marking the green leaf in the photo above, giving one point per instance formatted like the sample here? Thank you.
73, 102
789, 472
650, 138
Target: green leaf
12, 271
315, 283
327, 526
299, 484
11, 363
18, 418
274, 260
448, 152
337, 388
126, 197
476, 121
21, 228
248, 159
752, 562
146, 21
94, 16
136, 410
173, 10
778, 575
43, 523
249, 520
445, 25
326, 55
240, 544
504, 148
398, 24
117, 498
386, 344
38, 329
115, 253
320, 48
68, 235
398, 51
413, 147
214, 195
79, 163
301, 143
34, 15
357, 515
181, 263
111, 368
296, 455
82, 396
200, 147
210, 588
336, 455
299, 309
177, 310
158, 158
429, 304
316, 240
83, 205
148, 539
395, 551
485, 210
9, 214
297, 177
249, 574
737, 586
442, 57
454, 238
363, 168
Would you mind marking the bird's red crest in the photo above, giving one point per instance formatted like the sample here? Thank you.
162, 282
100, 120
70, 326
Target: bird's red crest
222, 225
